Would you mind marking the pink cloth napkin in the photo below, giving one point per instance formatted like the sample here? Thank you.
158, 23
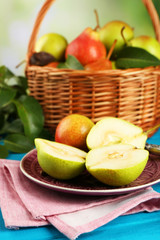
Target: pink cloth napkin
25, 203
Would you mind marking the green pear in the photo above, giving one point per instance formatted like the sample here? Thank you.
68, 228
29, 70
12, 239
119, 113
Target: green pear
59, 160
117, 164
113, 31
52, 43
111, 130
149, 44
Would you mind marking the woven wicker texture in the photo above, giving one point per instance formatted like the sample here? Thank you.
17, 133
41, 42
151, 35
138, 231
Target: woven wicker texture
132, 94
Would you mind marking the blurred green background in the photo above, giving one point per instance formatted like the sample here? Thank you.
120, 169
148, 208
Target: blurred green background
67, 17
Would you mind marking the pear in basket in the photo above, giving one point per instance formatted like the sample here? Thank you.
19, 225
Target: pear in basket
52, 43
104, 63
87, 47
113, 30
148, 43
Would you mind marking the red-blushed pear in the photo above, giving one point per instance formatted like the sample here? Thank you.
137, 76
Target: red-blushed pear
102, 64
87, 47
148, 43
73, 130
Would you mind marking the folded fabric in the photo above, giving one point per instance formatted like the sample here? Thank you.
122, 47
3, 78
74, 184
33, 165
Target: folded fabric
25, 203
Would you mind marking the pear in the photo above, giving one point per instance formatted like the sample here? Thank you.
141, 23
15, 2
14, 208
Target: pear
148, 43
102, 64
73, 130
112, 130
52, 43
87, 47
59, 160
113, 31
117, 164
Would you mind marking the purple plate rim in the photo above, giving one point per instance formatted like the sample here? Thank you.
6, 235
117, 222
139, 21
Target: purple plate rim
115, 191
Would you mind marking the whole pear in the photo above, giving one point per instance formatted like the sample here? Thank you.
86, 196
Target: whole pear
73, 130
52, 43
148, 43
113, 31
87, 47
102, 64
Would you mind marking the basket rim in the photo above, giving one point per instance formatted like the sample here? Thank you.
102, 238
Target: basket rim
114, 72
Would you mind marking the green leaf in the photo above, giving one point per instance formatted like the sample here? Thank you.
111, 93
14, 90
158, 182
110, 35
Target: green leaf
45, 134
18, 143
15, 126
31, 115
5, 73
6, 96
3, 151
23, 82
17, 82
71, 63
4, 127
9, 80
2, 120
133, 57
10, 109
12, 81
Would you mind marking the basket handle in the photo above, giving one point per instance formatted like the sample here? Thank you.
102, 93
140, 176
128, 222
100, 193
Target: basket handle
154, 17
45, 7
148, 4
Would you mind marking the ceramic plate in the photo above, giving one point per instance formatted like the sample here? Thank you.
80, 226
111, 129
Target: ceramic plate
85, 184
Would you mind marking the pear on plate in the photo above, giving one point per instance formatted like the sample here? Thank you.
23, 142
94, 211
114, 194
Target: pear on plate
59, 160
112, 130
73, 130
117, 164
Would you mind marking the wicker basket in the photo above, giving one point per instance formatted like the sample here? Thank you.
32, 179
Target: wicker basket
132, 94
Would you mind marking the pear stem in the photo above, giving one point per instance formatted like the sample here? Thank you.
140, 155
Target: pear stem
97, 20
152, 129
19, 64
123, 34
111, 49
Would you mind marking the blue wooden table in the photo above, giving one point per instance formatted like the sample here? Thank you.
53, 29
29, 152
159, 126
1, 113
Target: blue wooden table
140, 226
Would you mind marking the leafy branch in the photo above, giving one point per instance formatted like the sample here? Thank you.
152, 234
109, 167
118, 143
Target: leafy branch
21, 116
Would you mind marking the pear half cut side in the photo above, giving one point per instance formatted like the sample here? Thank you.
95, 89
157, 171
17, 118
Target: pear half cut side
112, 130
117, 164
59, 160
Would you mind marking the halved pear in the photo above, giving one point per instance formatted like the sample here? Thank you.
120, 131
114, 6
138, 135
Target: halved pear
112, 130
59, 160
117, 164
